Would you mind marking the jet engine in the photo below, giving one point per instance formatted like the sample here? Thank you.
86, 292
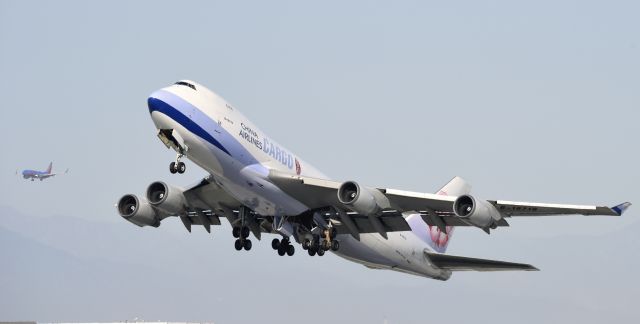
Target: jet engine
167, 198
137, 211
362, 200
479, 213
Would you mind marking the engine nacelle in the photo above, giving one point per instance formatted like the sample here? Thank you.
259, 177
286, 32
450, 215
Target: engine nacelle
479, 213
362, 200
167, 198
137, 211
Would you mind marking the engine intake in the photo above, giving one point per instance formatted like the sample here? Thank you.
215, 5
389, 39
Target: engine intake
137, 212
167, 198
362, 200
479, 213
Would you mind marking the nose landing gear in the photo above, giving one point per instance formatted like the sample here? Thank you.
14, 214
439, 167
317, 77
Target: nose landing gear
177, 166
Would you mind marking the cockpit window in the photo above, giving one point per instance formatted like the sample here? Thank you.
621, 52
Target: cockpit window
186, 84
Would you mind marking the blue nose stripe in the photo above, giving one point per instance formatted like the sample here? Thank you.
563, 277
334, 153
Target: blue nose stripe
158, 105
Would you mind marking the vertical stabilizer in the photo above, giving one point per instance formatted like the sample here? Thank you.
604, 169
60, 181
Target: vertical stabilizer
456, 187
49, 168
438, 239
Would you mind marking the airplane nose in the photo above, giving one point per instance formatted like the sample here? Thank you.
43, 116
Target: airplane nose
153, 103
162, 113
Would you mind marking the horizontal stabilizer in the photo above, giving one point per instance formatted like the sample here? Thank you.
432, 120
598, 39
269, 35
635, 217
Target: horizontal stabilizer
458, 263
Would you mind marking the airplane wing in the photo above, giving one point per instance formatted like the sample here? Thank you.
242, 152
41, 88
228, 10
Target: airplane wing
206, 202
436, 209
207, 194
513, 208
458, 263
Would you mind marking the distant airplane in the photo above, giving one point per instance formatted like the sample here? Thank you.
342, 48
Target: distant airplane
33, 174
260, 187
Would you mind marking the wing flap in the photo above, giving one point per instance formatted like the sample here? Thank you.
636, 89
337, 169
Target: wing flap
450, 220
418, 201
390, 222
459, 263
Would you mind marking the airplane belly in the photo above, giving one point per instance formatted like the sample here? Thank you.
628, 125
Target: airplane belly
202, 154
260, 196
402, 252
363, 251
247, 186
415, 260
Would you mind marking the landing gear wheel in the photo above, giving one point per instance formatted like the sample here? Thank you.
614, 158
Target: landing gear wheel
315, 244
311, 252
245, 232
173, 168
281, 251
290, 250
181, 167
238, 245
306, 244
335, 245
320, 252
275, 244
236, 232
247, 245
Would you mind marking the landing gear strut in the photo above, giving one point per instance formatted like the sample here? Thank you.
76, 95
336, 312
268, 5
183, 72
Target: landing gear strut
242, 234
177, 166
283, 246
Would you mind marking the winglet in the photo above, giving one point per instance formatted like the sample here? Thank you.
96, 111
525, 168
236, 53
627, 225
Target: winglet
621, 208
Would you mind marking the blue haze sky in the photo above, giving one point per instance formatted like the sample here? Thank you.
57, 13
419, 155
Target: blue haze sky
529, 101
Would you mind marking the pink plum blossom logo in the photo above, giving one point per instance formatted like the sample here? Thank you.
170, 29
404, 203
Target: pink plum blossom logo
298, 167
439, 238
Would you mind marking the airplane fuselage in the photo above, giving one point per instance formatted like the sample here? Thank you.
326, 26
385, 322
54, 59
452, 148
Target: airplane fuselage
32, 174
218, 138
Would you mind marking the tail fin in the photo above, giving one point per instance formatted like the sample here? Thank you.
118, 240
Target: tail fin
456, 187
49, 168
438, 239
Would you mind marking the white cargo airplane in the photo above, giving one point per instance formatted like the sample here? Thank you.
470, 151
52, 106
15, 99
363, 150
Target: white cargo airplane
261, 187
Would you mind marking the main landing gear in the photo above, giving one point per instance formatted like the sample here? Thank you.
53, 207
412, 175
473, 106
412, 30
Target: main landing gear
319, 245
283, 246
242, 234
177, 166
